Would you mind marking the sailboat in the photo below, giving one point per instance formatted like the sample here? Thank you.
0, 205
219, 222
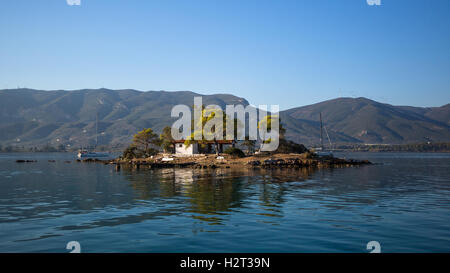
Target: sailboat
322, 151
85, 154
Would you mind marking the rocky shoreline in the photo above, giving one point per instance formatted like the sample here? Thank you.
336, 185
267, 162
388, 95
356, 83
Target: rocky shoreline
224, 161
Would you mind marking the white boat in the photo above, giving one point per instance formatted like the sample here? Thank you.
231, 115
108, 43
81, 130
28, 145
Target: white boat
323, 152
87, 154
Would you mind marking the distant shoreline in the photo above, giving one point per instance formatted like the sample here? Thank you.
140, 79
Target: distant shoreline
334, 150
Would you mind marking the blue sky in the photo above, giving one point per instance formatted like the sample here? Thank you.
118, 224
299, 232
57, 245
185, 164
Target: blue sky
290, 53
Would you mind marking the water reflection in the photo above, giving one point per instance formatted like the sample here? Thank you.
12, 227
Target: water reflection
209, 195
404, 203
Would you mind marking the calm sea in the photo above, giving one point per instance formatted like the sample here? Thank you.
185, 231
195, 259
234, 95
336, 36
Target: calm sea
403, 203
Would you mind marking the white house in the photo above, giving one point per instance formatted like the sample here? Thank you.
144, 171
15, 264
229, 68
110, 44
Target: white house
206, 148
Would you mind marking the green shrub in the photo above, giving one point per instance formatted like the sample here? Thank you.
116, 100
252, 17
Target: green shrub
130, 152
309, 155
288, 146
150, 151
235, 152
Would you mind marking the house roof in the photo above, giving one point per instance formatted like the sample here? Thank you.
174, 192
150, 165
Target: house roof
207, 141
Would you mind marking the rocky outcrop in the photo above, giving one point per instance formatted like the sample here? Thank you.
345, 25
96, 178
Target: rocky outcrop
298, 162
287, 161
25, 161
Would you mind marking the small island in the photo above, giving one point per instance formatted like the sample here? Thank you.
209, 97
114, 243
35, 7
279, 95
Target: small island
148, 150
204, 161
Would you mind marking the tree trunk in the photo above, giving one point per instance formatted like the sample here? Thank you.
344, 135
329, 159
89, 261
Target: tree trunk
216, 145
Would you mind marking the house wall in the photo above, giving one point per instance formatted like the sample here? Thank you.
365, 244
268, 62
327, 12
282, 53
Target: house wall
180, 148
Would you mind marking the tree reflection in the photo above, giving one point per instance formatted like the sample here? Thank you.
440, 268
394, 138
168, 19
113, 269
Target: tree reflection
209, 195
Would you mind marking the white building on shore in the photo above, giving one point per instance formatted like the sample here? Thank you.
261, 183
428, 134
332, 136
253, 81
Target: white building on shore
206, 148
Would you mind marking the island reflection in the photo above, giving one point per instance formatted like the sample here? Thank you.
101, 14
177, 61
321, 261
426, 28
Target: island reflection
209, 195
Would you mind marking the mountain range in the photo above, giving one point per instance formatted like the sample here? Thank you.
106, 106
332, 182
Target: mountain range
35, 117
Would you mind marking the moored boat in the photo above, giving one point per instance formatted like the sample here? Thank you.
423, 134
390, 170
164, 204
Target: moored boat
323, 152
83, 154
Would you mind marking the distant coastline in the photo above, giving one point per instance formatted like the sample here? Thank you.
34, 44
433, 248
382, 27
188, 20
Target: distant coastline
38, 118
412, 148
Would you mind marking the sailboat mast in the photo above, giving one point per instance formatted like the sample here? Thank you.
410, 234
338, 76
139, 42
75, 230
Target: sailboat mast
328, 136
321, 131
96, 130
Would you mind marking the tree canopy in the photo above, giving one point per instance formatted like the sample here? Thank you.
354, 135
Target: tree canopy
144, 143
211, 131
166, 140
